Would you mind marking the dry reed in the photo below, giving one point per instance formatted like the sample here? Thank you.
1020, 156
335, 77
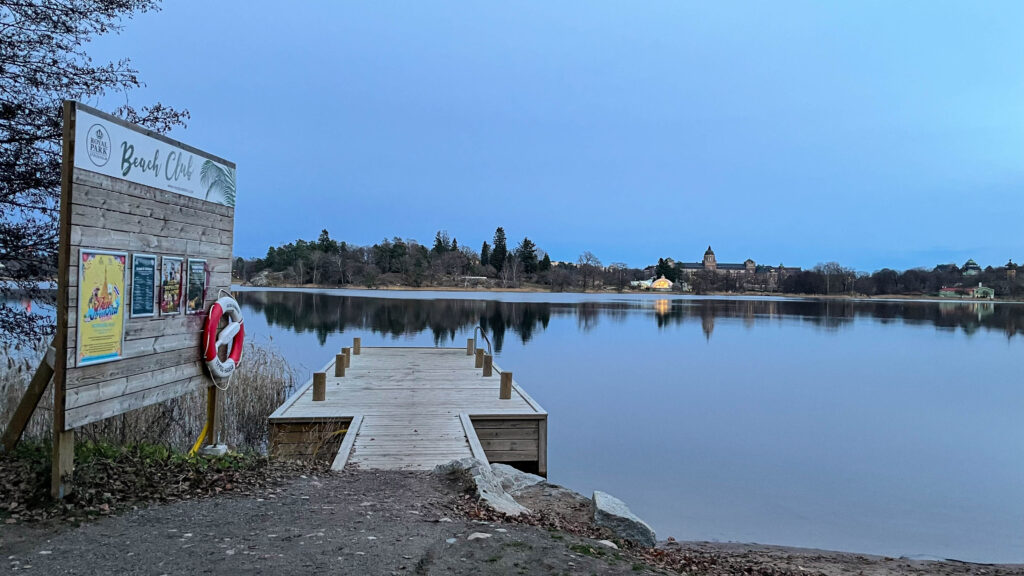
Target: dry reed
259, 385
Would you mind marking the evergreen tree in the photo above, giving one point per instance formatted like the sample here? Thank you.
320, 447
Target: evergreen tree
455, 244
325, 244
545, 264
500, 251
485, 254
441, 242
665, 269
527, 254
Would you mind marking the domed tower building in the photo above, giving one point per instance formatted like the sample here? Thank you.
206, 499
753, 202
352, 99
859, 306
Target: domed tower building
750, 275
709, 260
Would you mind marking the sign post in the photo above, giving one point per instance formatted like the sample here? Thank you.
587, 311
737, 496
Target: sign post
139, 213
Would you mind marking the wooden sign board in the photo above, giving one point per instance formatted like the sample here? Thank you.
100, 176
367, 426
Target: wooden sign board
132, 200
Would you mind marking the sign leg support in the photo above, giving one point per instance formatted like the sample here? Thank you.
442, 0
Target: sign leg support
63, 463
27, 405
214, 417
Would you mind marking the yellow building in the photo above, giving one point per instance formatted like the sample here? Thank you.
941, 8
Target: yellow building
661, 284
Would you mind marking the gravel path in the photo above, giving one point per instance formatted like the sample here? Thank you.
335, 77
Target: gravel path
378, 523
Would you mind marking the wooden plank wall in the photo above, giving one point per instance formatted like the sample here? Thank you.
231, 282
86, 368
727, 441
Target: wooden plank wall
509, 440
162, 353
307, 440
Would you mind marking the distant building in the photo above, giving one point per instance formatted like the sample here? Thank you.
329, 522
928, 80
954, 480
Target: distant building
1011, 271
711, 264
984, 292
748, 266
641, 284
662, 284
754, 276
971, 268
977, 292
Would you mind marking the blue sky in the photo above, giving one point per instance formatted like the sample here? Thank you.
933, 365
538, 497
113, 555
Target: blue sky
871, 133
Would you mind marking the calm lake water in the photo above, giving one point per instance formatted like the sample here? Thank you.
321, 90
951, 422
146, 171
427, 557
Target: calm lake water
879, 427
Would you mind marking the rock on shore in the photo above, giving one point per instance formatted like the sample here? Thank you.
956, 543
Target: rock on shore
488, 485
498, 484
612, 513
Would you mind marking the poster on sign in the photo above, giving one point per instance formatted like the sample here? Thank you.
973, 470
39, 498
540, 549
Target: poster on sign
101, 286
143, 286
196, 292
170, 285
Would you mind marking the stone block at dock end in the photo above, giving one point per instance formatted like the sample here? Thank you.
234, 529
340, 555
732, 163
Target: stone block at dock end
488, 485
513, 480
612, 513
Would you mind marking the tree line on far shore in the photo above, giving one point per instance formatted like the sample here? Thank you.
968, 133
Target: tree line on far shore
399, 261
831, 278
447, 263
406, 262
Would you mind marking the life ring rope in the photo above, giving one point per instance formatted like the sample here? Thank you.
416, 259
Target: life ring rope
232, 336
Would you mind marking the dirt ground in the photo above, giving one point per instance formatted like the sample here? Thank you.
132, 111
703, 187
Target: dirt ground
364, 522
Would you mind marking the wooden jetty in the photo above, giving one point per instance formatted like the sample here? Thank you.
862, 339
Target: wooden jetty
411, 409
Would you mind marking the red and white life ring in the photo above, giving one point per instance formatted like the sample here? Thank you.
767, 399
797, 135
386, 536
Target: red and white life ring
233, 335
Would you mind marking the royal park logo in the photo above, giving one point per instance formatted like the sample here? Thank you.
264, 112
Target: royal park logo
98, 145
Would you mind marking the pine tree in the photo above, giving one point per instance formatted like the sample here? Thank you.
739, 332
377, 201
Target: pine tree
325, 244
485, 254
500, 251
455, 244
527, 254
665, 269
545, 264
441, 242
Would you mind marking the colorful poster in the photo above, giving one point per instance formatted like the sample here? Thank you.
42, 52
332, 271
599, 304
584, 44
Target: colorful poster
143, 285
170, 285
196, 292
101, 284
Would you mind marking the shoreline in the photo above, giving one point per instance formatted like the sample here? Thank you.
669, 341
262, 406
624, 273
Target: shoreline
393, 522
543, 290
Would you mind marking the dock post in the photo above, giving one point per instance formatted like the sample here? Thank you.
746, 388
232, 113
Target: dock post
470, 344
488, 361
339, 364
505, 392
479, 357
319, 386
357, 346
347, 353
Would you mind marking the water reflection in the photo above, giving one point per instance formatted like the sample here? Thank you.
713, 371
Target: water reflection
325, 314
821, 423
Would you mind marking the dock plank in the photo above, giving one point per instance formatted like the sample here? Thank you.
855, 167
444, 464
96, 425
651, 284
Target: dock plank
414, 407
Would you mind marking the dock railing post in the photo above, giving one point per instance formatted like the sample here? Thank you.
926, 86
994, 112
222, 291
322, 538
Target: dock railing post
319, 386
470, 345
488, 361
505, 392
357, 346
479, 357
347, 352
339, 364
